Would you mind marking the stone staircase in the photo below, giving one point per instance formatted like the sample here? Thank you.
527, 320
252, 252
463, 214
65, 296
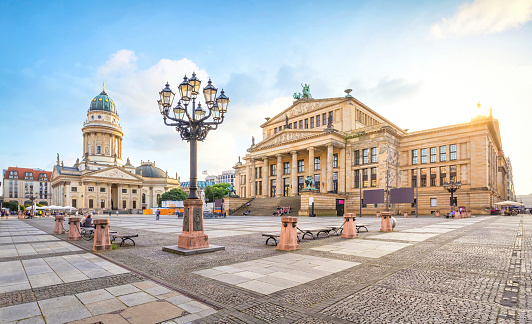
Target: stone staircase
267, 206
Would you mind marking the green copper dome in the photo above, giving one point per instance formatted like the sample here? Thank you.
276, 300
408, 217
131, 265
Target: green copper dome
103, 102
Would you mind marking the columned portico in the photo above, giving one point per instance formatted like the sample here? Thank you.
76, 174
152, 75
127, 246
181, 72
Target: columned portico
265, 177
330, 149
253, 178
278, 184
310, 161
294, 173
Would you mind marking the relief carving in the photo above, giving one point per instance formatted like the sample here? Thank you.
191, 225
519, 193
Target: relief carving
185, 220
303, 108
198, 218
116, 174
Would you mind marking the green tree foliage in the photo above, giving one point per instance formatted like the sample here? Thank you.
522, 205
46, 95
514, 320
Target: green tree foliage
173, 194
220, 190
10, 205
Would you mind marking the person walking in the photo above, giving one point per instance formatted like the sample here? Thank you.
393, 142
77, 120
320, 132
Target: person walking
157, 213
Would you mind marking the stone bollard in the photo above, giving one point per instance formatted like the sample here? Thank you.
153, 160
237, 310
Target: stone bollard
468, 214
59, 221
437, 214
386, 222
288, 239
102, 240
349, 230
405, 215
73, 229
378, 214
20, 216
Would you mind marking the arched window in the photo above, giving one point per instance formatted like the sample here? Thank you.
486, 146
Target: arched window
143, 198
158, 197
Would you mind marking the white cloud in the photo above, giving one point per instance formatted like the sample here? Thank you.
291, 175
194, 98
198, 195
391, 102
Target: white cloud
484, 17
120, 62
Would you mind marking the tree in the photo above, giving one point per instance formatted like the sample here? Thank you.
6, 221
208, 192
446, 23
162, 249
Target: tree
173, 194
220, 190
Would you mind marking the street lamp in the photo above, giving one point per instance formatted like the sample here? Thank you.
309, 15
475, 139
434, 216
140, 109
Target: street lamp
193, 124
452, 187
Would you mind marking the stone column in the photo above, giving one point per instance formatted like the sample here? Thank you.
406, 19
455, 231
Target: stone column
97, 188
253, 178
151, 198
294, 173
265, 177
247, 182
119, 196
109, 195
323, 176
279, 186
330, 149
311, 162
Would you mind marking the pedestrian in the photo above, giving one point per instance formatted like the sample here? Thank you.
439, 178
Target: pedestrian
117, 213
157, 213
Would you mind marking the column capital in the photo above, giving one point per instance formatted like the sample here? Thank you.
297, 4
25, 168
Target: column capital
329, 145
293, 152
311, 149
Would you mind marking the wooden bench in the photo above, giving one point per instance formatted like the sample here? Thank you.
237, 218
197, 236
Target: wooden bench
274, 237
123, 237
311, 231
364, 226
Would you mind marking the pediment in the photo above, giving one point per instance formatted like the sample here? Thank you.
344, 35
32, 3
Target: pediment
301, 107
286, 136
114, 173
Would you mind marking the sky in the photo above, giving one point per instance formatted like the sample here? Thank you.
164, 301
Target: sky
420, 64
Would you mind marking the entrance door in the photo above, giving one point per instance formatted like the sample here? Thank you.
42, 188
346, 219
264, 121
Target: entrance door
114, 197
286, 186
340, 203
273, 187
300, 183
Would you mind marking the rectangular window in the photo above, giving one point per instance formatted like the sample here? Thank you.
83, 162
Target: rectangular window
273, 169
133, 191
317, 163
365, 178
443, 175
373, 155
324, 117
414, 156
102, 204
275, 130
124, 204
317, 181
443, 153
134, 204
74, 189
311, 122
365, 157
74, 203
433, 177
414, 178
357, 157
452, 152
124, 190
423, 156
102, 189
300, 165
290, 125
306, 123
423, 173
91, 203
452, 173
335, 160
286, 166
433, 202
433, 155
300, 124
357, 178
318, 121
99, 149
373, 177
295, 125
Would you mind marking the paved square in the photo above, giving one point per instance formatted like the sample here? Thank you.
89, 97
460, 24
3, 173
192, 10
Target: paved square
364, 248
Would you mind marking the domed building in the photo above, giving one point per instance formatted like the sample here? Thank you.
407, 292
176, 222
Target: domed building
101, 180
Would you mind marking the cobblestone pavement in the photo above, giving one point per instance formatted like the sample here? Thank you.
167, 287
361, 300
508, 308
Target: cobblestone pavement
429, 270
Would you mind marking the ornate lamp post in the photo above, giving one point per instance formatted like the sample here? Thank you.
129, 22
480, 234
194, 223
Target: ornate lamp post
452, 187
193, 124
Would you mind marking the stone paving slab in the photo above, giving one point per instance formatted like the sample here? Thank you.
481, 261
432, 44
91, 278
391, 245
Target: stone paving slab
404, 236
364, 248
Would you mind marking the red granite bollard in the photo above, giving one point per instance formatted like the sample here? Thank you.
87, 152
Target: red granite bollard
73, 229
349, 230
405, 215
59, 221
437, 214
386, 222
288, 239
102, 240
378, 214
20, 216
469, 214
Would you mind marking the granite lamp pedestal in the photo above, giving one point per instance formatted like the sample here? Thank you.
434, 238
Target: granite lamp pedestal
59, 221
386, 222
73, 229
349, 230
102, 240
288, 239
193, 239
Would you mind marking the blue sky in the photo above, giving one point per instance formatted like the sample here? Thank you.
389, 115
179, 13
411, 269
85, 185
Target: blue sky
421, 64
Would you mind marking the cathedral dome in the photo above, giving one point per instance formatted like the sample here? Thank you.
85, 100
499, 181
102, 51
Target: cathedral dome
148, 170
103, 102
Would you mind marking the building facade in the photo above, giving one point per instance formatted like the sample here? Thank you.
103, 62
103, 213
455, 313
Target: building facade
101, 181
22, 184
227, 176
348, 147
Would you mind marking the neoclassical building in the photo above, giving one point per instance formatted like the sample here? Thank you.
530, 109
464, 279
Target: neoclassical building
348, 147
101, 181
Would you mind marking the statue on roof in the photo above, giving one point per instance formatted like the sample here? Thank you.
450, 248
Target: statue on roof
57, 158
252, 140
306, 93
286, 126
